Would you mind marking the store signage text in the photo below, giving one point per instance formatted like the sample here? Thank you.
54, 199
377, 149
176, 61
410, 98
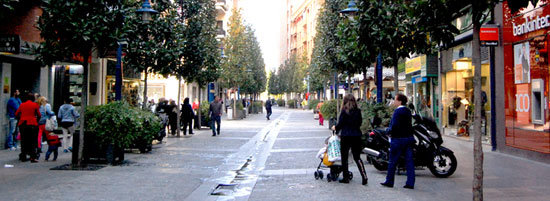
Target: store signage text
488, 35
532, 25
523, 103
10, 44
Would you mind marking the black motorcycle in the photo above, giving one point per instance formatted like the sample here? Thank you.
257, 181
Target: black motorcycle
427, 151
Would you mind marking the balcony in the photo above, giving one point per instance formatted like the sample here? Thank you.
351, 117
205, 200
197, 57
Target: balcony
221, 7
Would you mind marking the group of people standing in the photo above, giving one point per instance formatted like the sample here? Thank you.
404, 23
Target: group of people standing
400, 130
188, 115
27, 123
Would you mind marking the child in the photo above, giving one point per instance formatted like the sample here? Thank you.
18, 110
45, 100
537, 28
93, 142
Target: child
53, 144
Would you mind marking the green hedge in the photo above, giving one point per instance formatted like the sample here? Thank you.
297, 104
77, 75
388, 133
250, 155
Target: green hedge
281, 103
120, 124
329, 109
256, 107
370, 110
312, 104
293, 103
205, 108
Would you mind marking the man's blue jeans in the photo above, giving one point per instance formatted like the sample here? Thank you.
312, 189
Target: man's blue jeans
215, 120
401, 146
10, 136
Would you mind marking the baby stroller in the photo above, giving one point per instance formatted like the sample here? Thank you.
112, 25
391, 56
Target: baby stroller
334, 167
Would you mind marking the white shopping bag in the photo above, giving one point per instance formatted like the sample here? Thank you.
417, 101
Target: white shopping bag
333, 150
51, 123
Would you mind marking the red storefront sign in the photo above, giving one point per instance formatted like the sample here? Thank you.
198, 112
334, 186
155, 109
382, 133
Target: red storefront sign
488, 35
525, 37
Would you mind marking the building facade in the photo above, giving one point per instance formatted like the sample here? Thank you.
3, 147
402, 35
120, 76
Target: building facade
298, 33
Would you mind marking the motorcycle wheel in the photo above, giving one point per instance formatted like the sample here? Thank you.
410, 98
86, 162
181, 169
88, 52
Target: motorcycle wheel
443, 165
380, 166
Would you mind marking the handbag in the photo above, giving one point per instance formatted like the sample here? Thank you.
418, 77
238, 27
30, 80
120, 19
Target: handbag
333, 150
18, 136
51, 123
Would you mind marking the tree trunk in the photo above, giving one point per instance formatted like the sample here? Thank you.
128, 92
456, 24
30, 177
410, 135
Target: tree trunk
366, 85
199, 121
145, 90
396, 77
178, 118
77, 156
350, 90
477, 188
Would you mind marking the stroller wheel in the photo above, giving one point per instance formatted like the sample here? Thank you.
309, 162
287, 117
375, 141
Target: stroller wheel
350, 175
316, 174
320, 174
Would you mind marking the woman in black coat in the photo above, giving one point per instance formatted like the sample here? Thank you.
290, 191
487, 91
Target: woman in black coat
187, 116
172, 116
349, 124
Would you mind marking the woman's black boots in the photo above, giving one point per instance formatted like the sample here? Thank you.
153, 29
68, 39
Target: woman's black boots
361, 167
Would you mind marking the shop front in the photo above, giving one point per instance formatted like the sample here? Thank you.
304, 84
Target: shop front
421, 76
457, 91
131, 84
526, 75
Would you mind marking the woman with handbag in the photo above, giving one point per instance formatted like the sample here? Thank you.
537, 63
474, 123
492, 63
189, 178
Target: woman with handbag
28, 115
349, 124
46, 113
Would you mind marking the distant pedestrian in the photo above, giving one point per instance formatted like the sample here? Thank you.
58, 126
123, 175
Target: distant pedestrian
349, 123
13, 104
268, 108
402, 142
304, 104
53, 144
67, 116
46, 113
215, 112
187, 116
28, 114
321, 119
172, 111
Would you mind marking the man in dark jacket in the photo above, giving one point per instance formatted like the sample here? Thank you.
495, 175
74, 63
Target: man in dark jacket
402, 140
215, 112
268, 108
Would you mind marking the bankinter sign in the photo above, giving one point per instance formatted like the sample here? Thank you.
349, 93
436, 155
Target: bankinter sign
531, 25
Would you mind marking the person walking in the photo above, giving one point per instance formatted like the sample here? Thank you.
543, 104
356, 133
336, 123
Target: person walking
28, 114
402, 141
187, 116
215, 112
67, 116
45, 113
321, 119
172, 116
349, 124
268, 108
13, 104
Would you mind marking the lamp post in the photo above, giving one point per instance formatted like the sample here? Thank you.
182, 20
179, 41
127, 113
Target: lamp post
146, 16
118, 82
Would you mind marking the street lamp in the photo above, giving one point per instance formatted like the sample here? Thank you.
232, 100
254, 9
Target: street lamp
351, 10
146, 12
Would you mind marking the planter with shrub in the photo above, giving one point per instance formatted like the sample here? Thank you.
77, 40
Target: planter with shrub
256, 107
113, 127
292, 103
329, 112
281, 103
312, 105
205, 118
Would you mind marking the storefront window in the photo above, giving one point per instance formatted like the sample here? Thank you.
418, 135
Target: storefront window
458, 95
526, 74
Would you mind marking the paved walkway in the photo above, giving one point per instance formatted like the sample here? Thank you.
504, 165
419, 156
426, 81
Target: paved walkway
255, 159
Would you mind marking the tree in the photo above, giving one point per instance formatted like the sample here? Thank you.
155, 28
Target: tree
200, 54
255, 81
79, 28
153, 47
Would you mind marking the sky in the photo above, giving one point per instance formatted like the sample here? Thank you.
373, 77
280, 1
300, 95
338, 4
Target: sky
264, 16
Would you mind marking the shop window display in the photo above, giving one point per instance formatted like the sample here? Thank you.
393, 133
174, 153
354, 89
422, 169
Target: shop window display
458, 97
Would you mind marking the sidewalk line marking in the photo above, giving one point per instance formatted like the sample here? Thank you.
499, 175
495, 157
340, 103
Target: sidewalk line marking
292, 150
256, 149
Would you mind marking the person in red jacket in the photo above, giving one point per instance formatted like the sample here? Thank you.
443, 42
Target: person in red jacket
53, 144
28, 115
